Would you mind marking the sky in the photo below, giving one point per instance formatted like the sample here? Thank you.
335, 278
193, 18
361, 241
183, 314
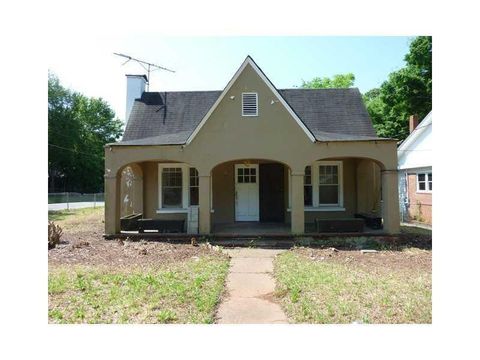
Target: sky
208, 63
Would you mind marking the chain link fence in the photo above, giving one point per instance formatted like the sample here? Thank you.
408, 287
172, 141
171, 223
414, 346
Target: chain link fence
72, 198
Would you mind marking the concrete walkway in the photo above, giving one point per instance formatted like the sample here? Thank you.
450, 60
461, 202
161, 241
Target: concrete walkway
250, 287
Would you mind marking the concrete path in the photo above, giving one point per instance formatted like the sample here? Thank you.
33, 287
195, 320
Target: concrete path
74, 205
250, 287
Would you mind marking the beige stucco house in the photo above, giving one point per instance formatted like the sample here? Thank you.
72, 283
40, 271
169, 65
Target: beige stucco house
252, 154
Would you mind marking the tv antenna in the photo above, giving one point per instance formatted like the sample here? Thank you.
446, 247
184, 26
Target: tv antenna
149, 67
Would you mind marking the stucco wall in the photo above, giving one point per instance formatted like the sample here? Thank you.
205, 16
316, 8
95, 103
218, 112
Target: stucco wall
223, 183
368, 187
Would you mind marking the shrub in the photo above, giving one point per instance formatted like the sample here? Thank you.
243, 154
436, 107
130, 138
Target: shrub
54, 234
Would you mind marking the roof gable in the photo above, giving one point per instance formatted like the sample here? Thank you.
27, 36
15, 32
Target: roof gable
249, 61
416, 149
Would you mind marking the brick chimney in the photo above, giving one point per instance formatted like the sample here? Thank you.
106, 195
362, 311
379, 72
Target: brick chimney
413, 122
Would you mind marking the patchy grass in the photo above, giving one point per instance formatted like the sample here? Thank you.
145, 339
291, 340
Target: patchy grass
77, 219
345, 286
415, 230
184, 292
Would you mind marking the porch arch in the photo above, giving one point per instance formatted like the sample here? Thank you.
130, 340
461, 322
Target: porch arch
375, 185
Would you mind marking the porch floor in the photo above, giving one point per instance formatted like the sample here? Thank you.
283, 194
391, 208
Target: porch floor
251, 228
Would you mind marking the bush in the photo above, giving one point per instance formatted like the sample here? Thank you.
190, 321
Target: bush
54, 234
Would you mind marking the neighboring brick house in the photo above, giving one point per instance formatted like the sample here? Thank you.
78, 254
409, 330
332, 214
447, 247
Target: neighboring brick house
415, 172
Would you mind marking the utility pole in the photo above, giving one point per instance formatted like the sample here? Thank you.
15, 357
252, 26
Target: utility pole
149, 67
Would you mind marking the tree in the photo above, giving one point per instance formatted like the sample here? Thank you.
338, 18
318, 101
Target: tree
338, 81
406, 92
78, 129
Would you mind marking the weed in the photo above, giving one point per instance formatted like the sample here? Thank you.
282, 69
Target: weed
54, 234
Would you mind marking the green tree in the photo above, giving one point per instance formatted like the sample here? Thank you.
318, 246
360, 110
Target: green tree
406, 92
78, 129
338, 81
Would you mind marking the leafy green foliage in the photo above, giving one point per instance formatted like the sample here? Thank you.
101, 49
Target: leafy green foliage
338, 81
78, 128
406, 92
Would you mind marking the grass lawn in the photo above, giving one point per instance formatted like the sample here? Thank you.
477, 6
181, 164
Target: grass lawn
93, 280
77, 219
181, 293
318, 286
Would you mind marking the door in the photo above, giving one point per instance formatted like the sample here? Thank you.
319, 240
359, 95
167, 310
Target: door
272, 193
246, 192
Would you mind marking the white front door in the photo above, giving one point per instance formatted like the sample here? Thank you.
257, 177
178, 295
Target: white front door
246, 193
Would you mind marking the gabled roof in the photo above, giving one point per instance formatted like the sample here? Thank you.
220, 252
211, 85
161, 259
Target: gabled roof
416, 150
174, 118
421, 127
249, 61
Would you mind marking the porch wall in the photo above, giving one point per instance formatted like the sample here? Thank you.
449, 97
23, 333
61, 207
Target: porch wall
223, 187
349, 196
150, 194
361, 186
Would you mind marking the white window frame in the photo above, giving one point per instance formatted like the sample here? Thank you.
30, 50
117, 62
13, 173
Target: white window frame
427, 190
256, 100
190, 187
185, 187
311, 184
315, 173
316, 182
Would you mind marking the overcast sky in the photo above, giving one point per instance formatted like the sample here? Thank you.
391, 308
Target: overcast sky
208, 63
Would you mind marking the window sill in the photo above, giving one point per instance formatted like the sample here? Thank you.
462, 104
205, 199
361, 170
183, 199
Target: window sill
423, 192
322, 208
171, 211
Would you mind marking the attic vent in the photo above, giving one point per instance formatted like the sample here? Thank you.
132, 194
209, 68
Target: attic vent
249, 104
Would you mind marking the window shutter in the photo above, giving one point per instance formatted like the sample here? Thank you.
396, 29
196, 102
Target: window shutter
249, 104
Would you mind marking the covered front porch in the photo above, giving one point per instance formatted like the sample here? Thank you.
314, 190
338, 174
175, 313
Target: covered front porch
253, 197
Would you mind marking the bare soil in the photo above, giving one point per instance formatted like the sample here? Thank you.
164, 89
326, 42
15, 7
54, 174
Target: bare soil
85, 245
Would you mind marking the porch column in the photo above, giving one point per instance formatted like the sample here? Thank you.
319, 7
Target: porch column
138, 194
390, 206
297, 203
112, 205
204, 203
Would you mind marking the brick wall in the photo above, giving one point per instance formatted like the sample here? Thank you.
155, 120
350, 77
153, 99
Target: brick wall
420, 208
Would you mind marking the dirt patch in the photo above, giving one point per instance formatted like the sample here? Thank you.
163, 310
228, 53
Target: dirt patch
85, 245
406, 260
271, 297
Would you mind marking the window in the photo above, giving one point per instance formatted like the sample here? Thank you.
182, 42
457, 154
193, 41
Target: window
193, 186
307, 187
328, 185
249, 104
424, 182
247, 175
172, 187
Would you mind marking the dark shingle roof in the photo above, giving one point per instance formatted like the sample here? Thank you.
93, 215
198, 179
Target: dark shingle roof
168, 118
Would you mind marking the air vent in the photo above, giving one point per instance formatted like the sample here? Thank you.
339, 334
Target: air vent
249, 104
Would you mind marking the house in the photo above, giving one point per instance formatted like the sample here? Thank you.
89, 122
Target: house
251, 154
415, 172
